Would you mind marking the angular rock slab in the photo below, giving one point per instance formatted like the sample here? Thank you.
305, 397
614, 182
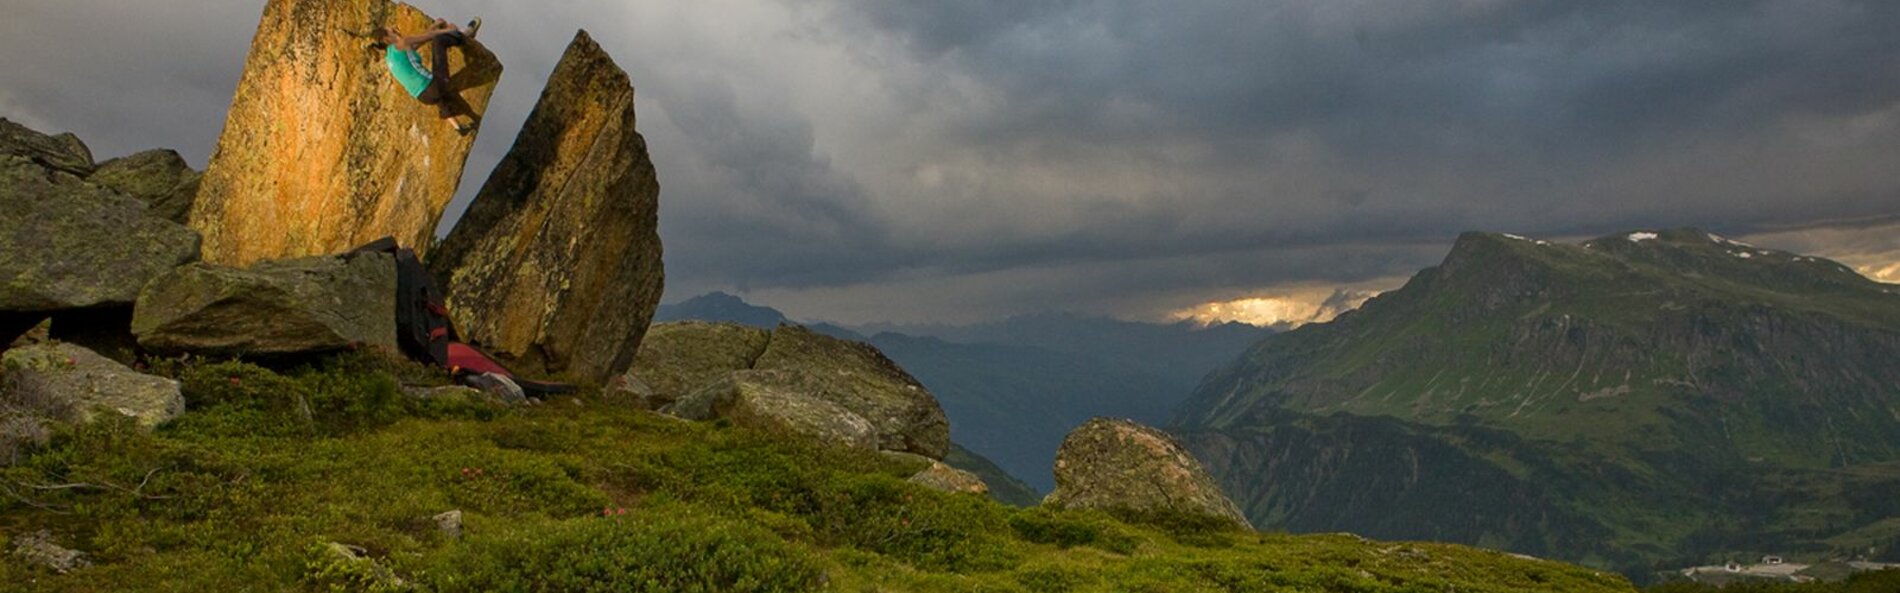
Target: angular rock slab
556, 266
677, 358
83, 383
158, 177
1118, 464
63, 153
69, 244
860, 378
310, 304
322, 150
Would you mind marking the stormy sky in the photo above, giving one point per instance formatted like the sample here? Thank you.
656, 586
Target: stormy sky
861, 160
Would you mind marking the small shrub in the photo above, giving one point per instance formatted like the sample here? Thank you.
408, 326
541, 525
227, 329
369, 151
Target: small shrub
655, 550
1067, 529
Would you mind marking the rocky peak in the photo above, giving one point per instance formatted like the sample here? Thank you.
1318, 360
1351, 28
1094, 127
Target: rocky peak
322, 150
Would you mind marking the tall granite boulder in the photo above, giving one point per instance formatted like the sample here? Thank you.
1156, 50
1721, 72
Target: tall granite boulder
66, 243
1118, 464
310, 304
322, 150
158, 177
556, 266
77, 384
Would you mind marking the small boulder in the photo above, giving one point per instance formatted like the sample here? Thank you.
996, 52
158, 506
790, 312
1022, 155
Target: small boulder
81, 382
556, 266
310, 304
159, 177
784, 401
449, 523
1118, 464
677, 358
860, 378
949, 479
70, 244
40, 549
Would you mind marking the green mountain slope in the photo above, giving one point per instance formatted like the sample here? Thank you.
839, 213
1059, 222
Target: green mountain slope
272, 472
1664, 394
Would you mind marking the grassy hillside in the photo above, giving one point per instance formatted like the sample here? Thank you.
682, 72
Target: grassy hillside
247, 491
1637, 398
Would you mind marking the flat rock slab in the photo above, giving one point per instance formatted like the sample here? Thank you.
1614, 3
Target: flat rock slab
83, 384
949, 479
677, 358
781, 401
311, 304
858, 377
322, 150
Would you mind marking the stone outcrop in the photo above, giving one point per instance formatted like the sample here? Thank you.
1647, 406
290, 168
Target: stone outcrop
158, 177
680, 359
322, 150
677, 358
75, 384
42, 550
860, 378
781, 401
556, 266
1118, 464
949, 479
310, 304
69, 243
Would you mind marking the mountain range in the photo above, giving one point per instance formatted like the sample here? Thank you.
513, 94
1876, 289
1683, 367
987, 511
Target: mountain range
1634, 401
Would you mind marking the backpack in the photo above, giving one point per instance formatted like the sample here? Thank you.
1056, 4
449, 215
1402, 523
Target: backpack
425, 333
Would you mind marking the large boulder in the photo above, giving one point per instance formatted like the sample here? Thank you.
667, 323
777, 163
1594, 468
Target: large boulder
1118, 464
677, 358
75, 383
556, 266
309, 304
860, 378
783, 401
322, 150
158, 177
71, 244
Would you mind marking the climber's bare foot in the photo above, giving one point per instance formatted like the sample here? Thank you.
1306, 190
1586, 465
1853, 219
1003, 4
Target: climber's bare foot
473, 26
462, 128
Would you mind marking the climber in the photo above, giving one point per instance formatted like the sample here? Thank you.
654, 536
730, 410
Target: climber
429, 85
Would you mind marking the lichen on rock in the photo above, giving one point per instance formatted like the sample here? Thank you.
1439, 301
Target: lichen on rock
1121, 465
81, 383
556, 266
310, 304
322, 150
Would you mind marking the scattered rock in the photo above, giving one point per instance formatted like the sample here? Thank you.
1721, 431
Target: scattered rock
556, 266
1118, 464
83, 382
322, 150
632, 391
858, 377
70, 244
787, 401
677, 358
310, 304
160, 178
63, 153
949, 479
39, 549
450, 523
364, 571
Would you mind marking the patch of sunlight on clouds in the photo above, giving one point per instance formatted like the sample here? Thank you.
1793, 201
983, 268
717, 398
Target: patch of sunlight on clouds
1870, 248
1283, 309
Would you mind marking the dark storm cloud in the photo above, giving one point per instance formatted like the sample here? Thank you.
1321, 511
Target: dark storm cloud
861, 159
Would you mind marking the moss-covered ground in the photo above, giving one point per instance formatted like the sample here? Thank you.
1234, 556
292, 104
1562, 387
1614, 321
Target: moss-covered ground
247, 491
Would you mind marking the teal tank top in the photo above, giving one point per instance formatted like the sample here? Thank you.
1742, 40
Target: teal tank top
406, 66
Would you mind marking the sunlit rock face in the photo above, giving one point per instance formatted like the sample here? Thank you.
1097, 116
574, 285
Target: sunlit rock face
322, 150
556, 266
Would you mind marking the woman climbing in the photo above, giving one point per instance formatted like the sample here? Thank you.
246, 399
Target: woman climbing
428, 85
